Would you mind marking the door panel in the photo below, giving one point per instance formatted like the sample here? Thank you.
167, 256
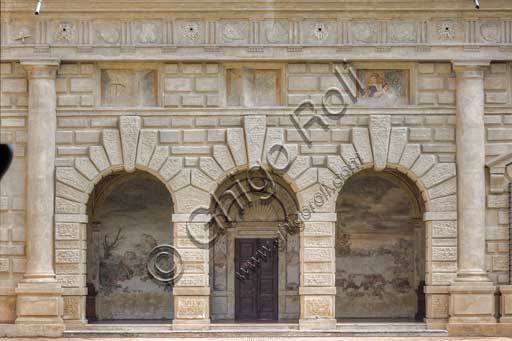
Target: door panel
256, 296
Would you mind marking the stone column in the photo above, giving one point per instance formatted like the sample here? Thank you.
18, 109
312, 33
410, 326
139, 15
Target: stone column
191, 289
472, 293
318, 271
39, 295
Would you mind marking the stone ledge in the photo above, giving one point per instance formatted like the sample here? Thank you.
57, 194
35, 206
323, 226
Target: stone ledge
195, 324
317, 324
31, 330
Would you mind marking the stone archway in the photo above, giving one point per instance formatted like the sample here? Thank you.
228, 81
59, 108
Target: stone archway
380, 248
129, 215
254, 214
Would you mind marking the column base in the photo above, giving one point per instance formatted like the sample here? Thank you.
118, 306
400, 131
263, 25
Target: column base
196, 324
436, 324
317, 324
472, 309
505, 324
472, 329
39, 303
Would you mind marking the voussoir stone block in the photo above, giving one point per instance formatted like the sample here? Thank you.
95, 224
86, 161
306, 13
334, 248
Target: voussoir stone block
181, 179
380, 130
411, 153
255, 127
129, 127
223, 156
71, 177
439, 173
210, 167
397, 144
86, 167
171, 167
423, 164
147, 143
443, 189
159, 156
236, 143
201, 180
99, 157
361, 140
112, 144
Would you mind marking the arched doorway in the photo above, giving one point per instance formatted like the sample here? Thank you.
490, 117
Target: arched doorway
380, 248
258, 218
129, 215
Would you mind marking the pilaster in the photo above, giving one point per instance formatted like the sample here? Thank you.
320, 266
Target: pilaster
191, 288
318, 272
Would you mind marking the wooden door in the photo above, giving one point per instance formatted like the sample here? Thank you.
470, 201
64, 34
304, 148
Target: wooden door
256, 293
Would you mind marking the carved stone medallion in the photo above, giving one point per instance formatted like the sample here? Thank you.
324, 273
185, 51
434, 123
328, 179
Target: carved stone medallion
64, 32
490, 32
189, 32
319, 32
447, 30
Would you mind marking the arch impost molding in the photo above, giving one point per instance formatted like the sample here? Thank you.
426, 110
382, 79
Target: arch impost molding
320, 217
436, 216
190, 218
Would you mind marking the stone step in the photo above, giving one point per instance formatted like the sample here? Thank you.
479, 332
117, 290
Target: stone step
363, 326
254, 330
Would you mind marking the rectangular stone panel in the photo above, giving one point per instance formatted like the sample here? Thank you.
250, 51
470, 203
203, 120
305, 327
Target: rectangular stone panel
133, 88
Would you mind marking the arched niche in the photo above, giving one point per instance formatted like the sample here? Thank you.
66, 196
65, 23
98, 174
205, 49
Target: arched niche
380, 247
129, 215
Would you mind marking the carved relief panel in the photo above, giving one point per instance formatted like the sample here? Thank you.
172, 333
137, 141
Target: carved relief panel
189, 32
446, 31
23, 32
132, 88
402, 31
64, 32
319, 31
275, 32
489, 31
365, 32
147, 32
253, 87
233, 32
107, 32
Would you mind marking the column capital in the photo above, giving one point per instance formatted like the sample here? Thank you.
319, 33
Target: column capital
470, 68
41, 68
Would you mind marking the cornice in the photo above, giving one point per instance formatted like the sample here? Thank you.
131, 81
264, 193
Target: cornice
204, 6
260, 53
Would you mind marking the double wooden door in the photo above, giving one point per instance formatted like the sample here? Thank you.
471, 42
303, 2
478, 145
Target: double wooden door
256, 295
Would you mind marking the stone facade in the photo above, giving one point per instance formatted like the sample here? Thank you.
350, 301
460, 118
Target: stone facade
193, 100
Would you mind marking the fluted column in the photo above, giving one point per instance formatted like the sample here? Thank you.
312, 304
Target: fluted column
472, 306
39, 294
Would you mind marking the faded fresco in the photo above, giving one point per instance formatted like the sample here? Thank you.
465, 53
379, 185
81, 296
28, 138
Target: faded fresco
379, 249
130, 219
384, 87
